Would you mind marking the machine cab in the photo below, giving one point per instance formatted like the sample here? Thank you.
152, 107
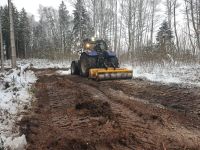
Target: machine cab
99, 45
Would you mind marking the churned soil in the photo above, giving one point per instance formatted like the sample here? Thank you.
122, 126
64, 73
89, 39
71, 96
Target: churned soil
75, 113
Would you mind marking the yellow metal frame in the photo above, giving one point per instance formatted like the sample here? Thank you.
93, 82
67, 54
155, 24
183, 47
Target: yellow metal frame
110, 73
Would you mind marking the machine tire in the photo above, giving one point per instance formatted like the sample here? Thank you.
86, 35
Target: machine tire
74, 68
86, 63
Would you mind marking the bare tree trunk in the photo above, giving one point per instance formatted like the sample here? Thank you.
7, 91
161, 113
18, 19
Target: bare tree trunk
169, 16
25, 51
94, 17
133, 31
129, 28
188, 25
116, 29
169, 13
120, 31
102, 19
62, 42
12, 36
113, 22
198, 4
194, 25
139, 25
152, 22
175, 29
2, 54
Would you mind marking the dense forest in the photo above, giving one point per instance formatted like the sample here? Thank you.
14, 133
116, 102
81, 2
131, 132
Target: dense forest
129, 26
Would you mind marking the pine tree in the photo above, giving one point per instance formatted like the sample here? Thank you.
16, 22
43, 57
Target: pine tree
164, 35
16, 28
6, 31
24, 33
82, 26
12, 35
165, 42
1, 44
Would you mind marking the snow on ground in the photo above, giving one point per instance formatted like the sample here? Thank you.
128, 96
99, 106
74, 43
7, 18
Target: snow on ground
41, 63
45, 63
180, 74
61, 72
15, 96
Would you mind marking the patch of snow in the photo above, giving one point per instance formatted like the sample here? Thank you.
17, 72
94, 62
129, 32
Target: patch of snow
15, 94
18, 143
40, 63
45, 63
156, 74
61, 72
178, 74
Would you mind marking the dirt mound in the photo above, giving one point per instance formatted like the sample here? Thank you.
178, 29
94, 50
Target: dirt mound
69, 144
96, 108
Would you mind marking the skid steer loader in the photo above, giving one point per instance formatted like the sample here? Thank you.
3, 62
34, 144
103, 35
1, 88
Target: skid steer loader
98, 63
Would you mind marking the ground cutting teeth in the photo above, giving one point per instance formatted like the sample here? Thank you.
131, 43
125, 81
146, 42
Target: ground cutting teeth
112, 76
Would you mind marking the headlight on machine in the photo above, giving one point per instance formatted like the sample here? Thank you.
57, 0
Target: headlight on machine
87, 45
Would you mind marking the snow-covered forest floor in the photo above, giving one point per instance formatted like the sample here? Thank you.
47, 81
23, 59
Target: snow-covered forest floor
16, 93
185, 74
15, 99
41, 63
16, 96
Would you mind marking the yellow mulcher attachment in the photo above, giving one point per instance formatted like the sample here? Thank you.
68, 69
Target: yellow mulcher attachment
100, 74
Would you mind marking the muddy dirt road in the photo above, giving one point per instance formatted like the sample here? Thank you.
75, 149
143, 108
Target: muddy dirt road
74, 113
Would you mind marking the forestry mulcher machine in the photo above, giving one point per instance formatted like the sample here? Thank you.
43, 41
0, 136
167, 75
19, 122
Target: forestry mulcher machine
98, 63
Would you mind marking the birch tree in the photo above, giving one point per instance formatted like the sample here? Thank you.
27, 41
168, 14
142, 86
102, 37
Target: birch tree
195, 9
12, 37
24, 34
175, 26
188, 27
1, 43
154, 4
192, 9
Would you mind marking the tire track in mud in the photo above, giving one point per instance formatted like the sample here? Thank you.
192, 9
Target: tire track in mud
175, 97
180, 98
149, 120
76, 113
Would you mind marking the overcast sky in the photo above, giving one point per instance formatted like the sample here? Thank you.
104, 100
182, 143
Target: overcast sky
31, 6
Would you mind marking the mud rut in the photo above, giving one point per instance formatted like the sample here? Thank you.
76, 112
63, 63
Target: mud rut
74, 113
